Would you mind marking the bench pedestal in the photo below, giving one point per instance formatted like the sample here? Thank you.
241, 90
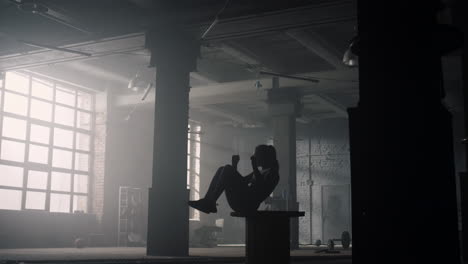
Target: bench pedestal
267, 236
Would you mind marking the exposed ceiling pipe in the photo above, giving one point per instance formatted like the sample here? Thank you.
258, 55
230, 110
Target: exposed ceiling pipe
63, 22
215, 21
289, 76
47, 12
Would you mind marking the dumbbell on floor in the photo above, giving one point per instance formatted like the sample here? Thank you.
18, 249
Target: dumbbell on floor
345, 241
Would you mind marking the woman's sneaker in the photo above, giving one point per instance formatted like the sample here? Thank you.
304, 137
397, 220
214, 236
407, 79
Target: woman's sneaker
204, 205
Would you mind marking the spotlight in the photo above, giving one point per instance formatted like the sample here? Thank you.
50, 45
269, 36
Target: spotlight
133, 81
350, 57
32, 7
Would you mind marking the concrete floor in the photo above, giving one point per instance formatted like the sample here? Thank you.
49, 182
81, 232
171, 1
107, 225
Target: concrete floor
221, 254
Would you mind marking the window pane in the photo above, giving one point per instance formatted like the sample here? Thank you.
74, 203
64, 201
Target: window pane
12, 150
65, 96
64, 115
62, 159
188, 145
10, 199
84, 120
60, 181
59, 203
42, 89
15, 104
11, 176
14, 128
39, 134
17, 82
188, 162
197, 146
82, 141
38, 154
41, 110
81, 161
35, 200
37, 179
63, 138
80, 183
197, 167
84, 101
80, 203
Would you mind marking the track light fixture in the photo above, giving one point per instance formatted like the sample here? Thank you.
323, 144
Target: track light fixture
133, 81
350, 57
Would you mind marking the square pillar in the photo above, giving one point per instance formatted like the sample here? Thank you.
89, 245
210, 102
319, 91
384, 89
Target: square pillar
174, 54
284, 107
402, 167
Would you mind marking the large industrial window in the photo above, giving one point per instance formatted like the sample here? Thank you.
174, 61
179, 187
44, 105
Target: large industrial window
45, 145
193, 167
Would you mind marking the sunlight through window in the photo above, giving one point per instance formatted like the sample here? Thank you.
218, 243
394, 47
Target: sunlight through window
45, 145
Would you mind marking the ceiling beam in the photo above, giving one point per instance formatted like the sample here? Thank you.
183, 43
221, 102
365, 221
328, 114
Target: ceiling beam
317, 14
253, 62
329, 12
319, 46
237, 119
244, 91
248, 59
200, 76
337, 107
97, 71
98, 48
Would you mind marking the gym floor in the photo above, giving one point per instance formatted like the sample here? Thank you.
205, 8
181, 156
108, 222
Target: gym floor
220, 254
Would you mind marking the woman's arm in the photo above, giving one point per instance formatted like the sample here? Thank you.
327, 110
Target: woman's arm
256, 173
235, 161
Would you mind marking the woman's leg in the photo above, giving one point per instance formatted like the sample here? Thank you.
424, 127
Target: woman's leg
242, 200
239, 195
225, 177
215, 182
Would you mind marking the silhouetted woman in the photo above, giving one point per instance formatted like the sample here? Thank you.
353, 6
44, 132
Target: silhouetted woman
243, 193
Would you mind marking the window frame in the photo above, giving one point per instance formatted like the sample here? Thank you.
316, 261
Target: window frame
193, 177
48, 168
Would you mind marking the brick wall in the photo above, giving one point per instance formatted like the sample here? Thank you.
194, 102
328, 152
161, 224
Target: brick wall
323, 180
97, 187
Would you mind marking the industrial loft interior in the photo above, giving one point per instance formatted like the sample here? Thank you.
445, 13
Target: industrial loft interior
233, 131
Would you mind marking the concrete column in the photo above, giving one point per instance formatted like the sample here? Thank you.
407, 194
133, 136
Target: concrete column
284, 107
174, 55
402, 169
460, 19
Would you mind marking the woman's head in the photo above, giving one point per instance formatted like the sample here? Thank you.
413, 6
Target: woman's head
266, 156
